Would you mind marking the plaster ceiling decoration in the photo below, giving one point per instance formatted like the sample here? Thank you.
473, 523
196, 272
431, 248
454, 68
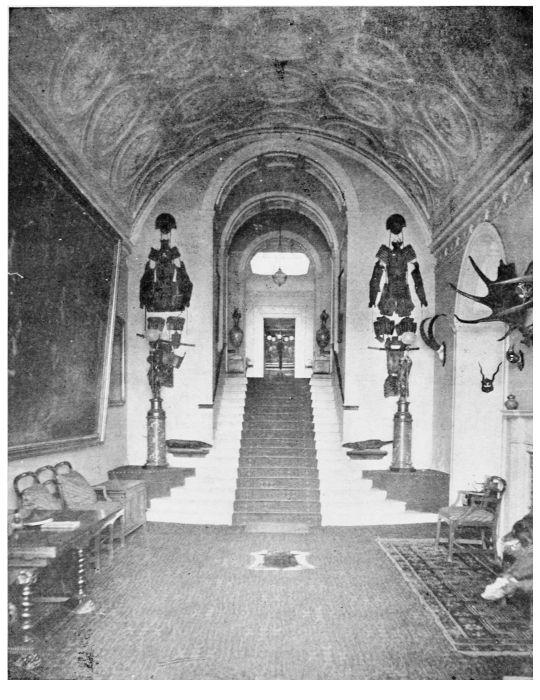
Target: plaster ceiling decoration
361, 104
429, 94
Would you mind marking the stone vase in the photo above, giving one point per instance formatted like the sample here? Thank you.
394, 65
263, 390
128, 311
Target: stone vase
322, 336
236, 334
511, 403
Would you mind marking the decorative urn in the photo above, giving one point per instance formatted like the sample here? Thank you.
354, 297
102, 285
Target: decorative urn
511, 403
236, 334
323, 334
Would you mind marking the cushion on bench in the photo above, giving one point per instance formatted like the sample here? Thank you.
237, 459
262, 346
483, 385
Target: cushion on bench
39, 496
76, 491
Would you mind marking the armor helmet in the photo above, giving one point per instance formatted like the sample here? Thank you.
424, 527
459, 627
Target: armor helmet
165, 222
395, 223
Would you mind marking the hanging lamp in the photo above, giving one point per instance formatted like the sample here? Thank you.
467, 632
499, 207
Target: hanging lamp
279, 276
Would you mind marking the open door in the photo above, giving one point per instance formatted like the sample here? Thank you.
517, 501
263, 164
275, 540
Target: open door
279, 347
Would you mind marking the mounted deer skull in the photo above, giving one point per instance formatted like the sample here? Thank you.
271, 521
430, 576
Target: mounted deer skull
508, 297
487, 384
429, 339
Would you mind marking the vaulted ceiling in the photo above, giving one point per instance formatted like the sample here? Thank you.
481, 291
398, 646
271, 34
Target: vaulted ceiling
431, 95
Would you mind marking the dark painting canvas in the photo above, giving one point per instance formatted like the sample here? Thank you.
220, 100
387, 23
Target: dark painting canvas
62, 265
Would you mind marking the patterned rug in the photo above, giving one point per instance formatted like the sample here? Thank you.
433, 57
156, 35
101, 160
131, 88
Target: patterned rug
451, 593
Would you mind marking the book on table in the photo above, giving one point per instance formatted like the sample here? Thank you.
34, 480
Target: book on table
61, 525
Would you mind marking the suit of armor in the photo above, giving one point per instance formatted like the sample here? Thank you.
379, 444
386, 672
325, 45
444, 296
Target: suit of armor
395, 296
165, 284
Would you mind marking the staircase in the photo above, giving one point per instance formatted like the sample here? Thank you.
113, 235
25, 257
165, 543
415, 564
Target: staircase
277, 476
207, 498
346, 497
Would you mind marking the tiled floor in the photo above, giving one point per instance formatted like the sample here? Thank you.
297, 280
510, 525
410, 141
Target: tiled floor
185, 605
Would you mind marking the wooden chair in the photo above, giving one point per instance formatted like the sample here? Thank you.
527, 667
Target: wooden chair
477, 510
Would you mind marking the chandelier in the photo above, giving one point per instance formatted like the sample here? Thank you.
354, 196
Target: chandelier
279, 276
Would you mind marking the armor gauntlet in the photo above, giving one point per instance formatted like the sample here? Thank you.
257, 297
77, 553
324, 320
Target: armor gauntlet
418, 284
374, 283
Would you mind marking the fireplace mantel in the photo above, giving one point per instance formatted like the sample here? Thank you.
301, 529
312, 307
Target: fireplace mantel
517, 445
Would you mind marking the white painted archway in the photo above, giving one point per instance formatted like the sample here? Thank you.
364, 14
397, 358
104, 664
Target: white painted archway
476, 424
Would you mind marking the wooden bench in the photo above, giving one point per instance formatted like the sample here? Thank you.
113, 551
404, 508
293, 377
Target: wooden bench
110, 513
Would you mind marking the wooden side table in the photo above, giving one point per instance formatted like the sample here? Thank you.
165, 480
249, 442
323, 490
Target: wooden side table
132, 495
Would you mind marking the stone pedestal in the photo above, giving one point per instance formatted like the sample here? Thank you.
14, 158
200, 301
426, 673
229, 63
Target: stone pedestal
155, 421
401, 456
321, 365
235, 364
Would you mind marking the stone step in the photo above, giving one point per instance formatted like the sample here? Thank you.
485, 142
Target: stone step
284, 431
345, 519
262, 444
277, 506
251, 493
264, 421
356, 497
333, 490
278, 482
273, 451
305, 464
192, 518
277, 412
293, 518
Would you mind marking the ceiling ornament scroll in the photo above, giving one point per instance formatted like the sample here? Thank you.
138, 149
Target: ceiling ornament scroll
370, 59
113, 116
137, 90
449, 122
487, 84
80, 76
361, 104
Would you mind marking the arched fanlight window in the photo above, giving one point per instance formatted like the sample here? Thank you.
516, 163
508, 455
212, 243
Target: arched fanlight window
279, 264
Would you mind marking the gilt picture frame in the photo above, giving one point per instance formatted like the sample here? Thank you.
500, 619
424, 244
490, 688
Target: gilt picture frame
117, 387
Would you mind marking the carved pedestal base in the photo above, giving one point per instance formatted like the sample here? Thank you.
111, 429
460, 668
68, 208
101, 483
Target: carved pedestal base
235, 364
157, 449
401, 456
321, 365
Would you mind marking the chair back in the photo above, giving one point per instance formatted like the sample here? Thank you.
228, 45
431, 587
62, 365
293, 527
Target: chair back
62, 468
22, 482
47, 476
494, 489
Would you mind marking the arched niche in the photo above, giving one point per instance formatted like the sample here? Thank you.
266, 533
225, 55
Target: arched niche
301, 298
476, 425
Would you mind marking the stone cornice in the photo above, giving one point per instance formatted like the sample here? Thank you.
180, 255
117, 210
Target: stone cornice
24, 108
497, 189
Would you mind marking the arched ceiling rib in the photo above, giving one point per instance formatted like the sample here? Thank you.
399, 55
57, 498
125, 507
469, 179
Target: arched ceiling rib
428, 93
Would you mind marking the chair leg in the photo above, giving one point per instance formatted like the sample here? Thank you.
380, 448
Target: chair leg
451, 534
97, 546
438, 535
122, 530
111, 541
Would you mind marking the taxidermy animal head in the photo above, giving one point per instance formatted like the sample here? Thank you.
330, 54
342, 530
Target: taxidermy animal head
515, 357
429, 338
487, 384
509, 296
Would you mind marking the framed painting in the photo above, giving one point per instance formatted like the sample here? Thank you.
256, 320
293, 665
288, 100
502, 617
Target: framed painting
63, 271
117, 387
